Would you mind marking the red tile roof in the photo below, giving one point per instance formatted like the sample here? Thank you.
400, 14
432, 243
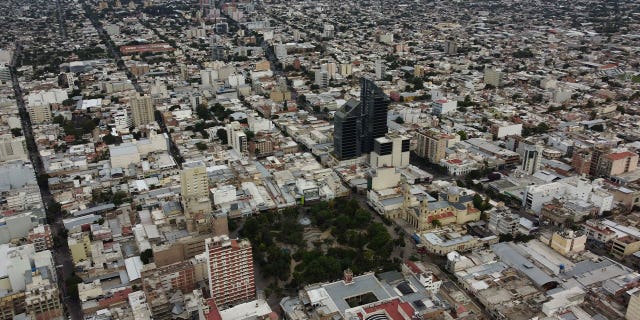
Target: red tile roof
620, 155
118, 296
213, 313
443, 215
394, 309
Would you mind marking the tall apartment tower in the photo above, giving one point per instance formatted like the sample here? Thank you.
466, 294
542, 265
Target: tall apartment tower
39, 113
379, 69
142, 110
357, 124
493, 77
195, 195
531, 158
432, 145
375, 105
347, 134
230, 270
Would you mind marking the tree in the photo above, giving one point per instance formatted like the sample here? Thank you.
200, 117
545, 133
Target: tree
436, 223
598, 127
222, 135
146, 256
118, 198
399, 120
505, 237
59, 119
301, 100
16, 132
201, 146
462, 134
109, 139
202, 112
250, 134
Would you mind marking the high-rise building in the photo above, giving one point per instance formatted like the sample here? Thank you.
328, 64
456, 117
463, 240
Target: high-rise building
451, 47
322, 78
531, 157
379, 69
391, 150
617, 163
39, 113
357, 124
432, 145
230, 270
347, 135
195, 195
493, 77
598, 152
581, 161
42, 300
142, 110
375, 106
237, 138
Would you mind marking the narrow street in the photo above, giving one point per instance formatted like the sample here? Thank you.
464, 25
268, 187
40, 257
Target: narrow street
61, 253
63, 31
115, 54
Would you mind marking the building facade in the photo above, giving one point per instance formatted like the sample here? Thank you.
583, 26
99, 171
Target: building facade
432, 145
532, 155
358, 124
195, 195
230, 270
142, 110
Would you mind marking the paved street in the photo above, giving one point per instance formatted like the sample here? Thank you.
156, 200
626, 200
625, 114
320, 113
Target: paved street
61, 253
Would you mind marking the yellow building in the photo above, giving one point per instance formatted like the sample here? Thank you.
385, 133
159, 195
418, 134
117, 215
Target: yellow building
279, 96
39, 113
432, 145
195, 195
12, 305
633, 309
452, 207
80, 246
624, 246
568, 242
263, 65
142, 110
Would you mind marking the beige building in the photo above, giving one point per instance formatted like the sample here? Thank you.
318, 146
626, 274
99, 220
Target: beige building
42, 300
80, 246
617, 163
624, 246
493, 77
568, 242
451, 207
633, 309
183, 249
39, 113
13, 148
432, 145
195, 195
442, 242
628, 197
263, 65
142, 110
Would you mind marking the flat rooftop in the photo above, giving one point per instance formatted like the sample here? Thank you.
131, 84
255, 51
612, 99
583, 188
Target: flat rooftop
363, 284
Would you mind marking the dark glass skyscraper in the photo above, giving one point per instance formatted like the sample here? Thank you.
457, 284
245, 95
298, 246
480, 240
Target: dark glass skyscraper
357, 124
375, 105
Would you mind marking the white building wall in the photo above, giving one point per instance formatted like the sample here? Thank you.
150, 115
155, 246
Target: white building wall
510, 130
224, 194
